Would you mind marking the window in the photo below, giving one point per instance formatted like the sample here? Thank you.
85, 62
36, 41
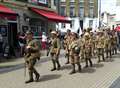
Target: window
62, 11
81, 4
63, 0
81, 12
62, 25
72, 11
72, 0
55, 2
91, 12
90, 23
81, 0
91, 1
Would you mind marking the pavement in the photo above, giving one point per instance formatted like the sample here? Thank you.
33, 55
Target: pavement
102, 75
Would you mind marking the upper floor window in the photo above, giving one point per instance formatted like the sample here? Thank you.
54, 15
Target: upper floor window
62, 11
81, 12
72, 11
72, 0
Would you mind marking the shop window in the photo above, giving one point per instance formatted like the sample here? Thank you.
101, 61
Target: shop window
62, 25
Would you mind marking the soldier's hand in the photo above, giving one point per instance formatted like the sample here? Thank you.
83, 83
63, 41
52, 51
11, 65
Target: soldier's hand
28, 47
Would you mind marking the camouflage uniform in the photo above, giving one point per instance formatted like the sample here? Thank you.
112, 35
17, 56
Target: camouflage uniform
32, 54
67, 42
108, 46
87, 46
114, 43
100, 45
74, 54
55, 51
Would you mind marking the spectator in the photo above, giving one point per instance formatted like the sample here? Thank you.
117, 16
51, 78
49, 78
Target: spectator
44, 40
1, 43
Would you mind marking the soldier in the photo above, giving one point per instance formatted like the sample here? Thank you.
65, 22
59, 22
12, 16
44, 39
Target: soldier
55, 50
114, 42
108, 45
67, 42
74, 53
32, 54
100, 45
87, 46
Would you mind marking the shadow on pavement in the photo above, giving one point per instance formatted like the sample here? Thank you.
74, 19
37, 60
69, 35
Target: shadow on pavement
116, 83
49, 77
68, 67
98, 65
6, 69
88, 70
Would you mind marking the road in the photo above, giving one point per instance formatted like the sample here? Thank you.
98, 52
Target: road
102, 75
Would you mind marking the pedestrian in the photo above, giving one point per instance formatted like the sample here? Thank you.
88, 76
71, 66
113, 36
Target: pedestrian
55, 51
1, 43
32, 55
44, 40
74, 53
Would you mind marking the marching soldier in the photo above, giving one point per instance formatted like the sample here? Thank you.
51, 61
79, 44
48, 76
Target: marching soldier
74, 53
55, 51
67, 42
87, 46
100, 45
108, 45
32, 54
114, 42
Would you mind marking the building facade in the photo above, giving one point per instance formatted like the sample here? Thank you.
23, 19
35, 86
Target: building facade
31, 14
85, 12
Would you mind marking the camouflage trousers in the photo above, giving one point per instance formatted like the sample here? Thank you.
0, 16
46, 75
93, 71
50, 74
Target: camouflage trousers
74, 58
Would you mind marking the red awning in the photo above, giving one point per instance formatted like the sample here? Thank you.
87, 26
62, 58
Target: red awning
50, 15
4, 9
8, 13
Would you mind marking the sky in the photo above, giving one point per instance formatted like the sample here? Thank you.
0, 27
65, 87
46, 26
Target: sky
109, 6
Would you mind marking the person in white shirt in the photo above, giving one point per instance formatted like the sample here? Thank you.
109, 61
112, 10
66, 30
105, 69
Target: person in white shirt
44, 40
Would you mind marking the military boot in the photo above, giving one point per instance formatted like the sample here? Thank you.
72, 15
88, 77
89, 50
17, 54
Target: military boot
54, 65
31, 77
73, 69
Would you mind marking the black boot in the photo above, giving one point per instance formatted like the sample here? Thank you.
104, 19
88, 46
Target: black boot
31, 77
99, 59
58, 65
79, 67
54, 65
103, 57
73, 69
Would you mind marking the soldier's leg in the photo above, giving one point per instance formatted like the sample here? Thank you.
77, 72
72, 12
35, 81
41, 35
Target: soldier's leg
35, 71
67, 55
86, 61
102, 51
77, 61
30, 70
98, 55
116, 49
73, 65
53, 62
58, 63
90, 61
106, 51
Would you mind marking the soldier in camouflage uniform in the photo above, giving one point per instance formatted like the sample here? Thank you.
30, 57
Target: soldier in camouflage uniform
32, 54
74, 53
67, 42
87, 46
114, 42
100, 45
108, 45
55, 51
